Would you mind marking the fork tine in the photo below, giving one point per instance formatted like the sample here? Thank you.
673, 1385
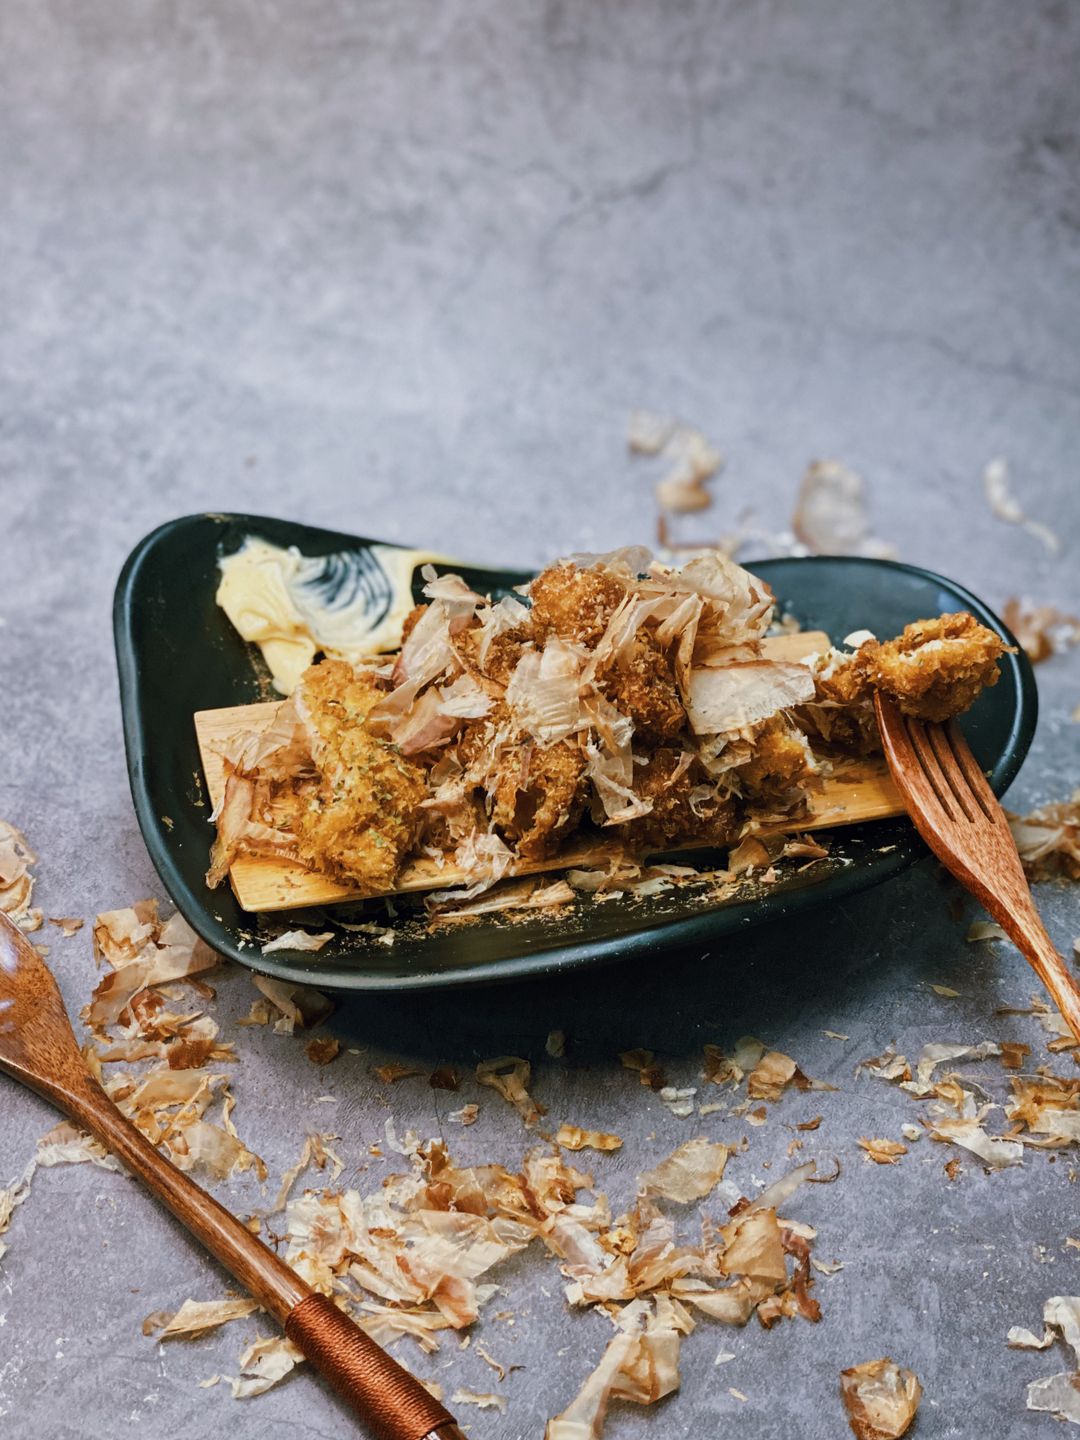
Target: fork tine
950, 768
928, 764
978, 785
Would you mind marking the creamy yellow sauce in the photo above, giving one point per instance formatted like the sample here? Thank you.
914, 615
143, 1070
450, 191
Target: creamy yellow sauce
351, 605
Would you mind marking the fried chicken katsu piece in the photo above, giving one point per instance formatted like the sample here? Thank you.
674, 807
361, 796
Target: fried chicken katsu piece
780, 761
532, 794
935, 668
364, 815
684, 806
642, 686
539, 796
572, 603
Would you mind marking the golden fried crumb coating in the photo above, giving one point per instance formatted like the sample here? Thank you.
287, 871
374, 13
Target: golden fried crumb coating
539, 796
364, 815
642, 686
501, 656
574, 604
780, 761
936, 668
683, 808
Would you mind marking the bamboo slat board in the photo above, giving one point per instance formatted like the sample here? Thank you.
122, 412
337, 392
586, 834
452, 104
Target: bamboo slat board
263, 883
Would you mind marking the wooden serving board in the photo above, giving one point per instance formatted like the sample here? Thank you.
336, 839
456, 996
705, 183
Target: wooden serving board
864, 791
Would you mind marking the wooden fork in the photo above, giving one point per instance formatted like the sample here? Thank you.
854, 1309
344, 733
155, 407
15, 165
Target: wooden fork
958, 815
38, 1047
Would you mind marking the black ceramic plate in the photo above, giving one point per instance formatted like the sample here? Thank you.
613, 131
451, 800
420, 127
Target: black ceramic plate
178, 653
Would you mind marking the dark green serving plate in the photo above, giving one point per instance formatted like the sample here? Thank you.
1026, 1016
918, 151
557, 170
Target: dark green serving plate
178, 653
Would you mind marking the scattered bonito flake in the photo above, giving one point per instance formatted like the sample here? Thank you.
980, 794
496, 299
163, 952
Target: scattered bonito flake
321, 1049
830, 513
572, 1137
1048, 1106
297, 940
484, 1401
693, 460
1020, 1339
444, 1077
680, 1101
931, 1056
883, 1152
946, 991
736, 1394
723, 1357
264, 1364
510, 1075
995, 1152
317, 1151
408, 1145
555, 1045
1043, 630
880, 1398
886, 1066
68, 925
500, 1369
640, 1364
144, 953
835, 1035
467, 1115
195, 1317
689, 1173
910, 1132
1007, 508
299, 1006
771, 1076
644, 1062
393, 1071
11, 1197
826, 1267
1049, 840
722, 1070
509, 895
648, 432
1058, 1395
16, 881
984, 930
64, 1144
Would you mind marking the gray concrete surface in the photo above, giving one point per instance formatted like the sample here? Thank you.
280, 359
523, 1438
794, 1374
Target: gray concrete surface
405, 269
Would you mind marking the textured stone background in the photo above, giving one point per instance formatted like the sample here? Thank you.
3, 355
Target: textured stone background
405, 269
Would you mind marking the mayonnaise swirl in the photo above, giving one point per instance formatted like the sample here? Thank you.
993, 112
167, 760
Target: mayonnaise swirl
350, 605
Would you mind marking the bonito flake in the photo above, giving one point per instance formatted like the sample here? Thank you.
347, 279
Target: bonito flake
1049, 840
880, 1398
16, 881
509, 1075
196, 1317
1006, 507
689, 1173
830, 513
1058, 1395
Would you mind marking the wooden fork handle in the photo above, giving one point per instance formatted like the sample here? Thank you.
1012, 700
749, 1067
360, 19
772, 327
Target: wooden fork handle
1025, 929
391, 1402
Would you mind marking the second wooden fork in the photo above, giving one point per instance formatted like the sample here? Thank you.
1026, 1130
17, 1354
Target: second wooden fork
958, 815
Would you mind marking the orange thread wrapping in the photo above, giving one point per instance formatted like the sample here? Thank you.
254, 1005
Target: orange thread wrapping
392, 1402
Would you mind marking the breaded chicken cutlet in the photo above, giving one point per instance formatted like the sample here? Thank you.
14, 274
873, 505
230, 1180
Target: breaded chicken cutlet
618, 695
